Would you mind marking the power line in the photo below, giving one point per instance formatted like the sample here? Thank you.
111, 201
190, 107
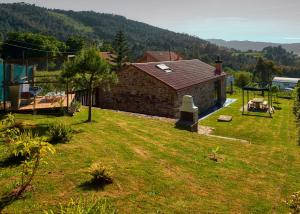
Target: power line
28, 43
34, 49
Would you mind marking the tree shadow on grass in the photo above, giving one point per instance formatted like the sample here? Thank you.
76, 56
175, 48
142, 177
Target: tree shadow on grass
277, 107
39, 129
92, 185
85, 122
11, 161
257, 115
6, 200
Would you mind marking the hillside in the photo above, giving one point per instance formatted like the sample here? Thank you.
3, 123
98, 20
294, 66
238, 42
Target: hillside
100, 27
256, 46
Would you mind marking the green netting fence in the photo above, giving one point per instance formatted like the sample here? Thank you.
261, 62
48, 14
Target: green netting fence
13, 73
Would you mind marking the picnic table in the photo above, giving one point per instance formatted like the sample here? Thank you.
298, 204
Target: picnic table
257, 102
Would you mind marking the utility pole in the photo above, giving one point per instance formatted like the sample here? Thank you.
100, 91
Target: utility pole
23, 57
47, 62
170, 52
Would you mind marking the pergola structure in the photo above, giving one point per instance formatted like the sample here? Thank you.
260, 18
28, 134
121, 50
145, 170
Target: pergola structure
258, 89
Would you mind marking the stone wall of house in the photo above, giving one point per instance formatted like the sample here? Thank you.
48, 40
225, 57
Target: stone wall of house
203, 95
140, 93
223, 89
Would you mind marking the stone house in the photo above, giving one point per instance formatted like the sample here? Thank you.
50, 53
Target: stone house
157, 88
160, 56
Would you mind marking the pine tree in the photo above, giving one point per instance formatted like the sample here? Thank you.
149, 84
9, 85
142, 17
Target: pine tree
121, 50
89, 71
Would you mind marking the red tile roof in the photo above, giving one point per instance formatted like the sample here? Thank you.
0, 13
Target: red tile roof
107, 56
184, 73
160, 56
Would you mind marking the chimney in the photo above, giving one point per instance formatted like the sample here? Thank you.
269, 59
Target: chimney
219, 67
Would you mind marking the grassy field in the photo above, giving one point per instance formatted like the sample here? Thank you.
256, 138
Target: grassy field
254, 54
160, 169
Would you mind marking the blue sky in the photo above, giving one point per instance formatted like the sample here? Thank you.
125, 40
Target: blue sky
255, 20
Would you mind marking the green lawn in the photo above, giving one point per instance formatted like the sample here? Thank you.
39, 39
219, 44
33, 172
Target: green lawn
158, 168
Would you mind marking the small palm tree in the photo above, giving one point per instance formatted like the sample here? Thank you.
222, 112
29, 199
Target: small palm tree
89, 71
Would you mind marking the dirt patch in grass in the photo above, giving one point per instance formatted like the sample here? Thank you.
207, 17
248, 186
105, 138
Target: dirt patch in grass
205, 130
141, 152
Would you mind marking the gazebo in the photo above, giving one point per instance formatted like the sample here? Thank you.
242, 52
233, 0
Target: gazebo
258, 104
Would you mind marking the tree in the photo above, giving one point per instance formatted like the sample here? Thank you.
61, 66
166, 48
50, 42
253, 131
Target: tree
121, 50
106, 47
31, 45
280, 55
242, 78
75, 43
88, 71
265, 71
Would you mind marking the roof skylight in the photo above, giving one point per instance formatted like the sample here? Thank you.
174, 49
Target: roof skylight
164, 68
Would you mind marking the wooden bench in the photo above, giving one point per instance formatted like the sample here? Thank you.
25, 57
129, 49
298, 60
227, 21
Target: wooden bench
265, 105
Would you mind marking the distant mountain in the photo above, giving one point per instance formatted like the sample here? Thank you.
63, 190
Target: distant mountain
256, 46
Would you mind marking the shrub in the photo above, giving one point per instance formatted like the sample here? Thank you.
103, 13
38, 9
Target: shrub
296, 108
10, 135
84, 206
33, 149
75, 107
100, 173
9, 120
60, 133
294, 203
214, 154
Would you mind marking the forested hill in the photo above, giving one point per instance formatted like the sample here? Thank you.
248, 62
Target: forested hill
95, 26
62, 24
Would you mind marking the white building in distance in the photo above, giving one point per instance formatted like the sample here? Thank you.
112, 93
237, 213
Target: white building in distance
285, 82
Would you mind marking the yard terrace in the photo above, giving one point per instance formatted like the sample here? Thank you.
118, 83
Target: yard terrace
158, 168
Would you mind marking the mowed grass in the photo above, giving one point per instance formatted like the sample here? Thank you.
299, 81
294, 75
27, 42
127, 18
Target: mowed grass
158, 168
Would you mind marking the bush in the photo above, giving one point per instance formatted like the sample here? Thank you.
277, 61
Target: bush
9, 120
10, 135
60, 133
33, 149
100, 173
296, 108
75, 107
214, 154
294, 203
242, 78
